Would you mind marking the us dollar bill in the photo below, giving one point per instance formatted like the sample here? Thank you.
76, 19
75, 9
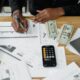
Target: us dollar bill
52, 29
65, 34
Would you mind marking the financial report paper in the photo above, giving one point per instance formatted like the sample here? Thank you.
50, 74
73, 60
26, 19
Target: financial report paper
7, 31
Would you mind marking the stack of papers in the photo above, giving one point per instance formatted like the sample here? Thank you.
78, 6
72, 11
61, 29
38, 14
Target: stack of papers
14, 71
29, 47
71, 72
39, 71
34, 62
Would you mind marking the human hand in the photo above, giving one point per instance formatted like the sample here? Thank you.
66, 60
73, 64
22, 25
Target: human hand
48, 14
19, 23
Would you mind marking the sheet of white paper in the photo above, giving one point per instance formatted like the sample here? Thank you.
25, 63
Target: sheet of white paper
40, 71
5, 24
20, 71
4, 73
14, 71
44, 35
7, 31
69, 47
35, 30
31, 49
67, 73
26, 46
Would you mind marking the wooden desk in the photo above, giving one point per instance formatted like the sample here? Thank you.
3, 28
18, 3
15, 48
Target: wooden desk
75, 21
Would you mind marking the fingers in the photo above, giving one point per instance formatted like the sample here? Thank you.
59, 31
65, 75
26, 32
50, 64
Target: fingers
16, 28
42, 16
45, 20
39, 11
20, 27
25, 23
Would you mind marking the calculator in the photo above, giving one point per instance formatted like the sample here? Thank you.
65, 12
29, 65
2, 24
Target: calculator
48, 56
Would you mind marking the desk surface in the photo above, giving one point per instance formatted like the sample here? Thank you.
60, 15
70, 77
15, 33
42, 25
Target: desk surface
75, 21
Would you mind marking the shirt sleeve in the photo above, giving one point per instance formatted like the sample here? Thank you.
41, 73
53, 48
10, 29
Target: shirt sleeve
16, 5
72, 10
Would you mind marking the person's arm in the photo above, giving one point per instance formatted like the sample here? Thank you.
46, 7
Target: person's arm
53, 13
19, 23
72, 10
1, 4
16, 5
49, 14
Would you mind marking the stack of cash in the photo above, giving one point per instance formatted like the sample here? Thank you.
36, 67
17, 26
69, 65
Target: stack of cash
63, 36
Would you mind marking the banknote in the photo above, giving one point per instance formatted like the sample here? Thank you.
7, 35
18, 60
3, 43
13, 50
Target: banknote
52, 29
66, 34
